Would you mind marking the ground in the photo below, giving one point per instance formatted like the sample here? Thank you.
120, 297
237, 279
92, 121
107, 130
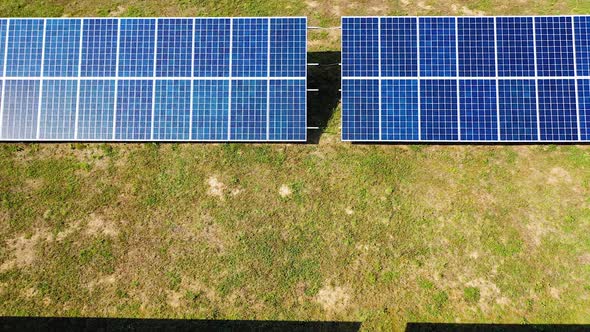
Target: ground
381, 234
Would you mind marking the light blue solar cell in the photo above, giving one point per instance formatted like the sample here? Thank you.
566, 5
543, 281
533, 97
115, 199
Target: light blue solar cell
555, 51
557, 110
172, 110
360, 46
438, 47
477, 54
3, 28
399, 114
518, 110
212, 47
58, 109
478, 110
210, 110
96, 110
584, 104
25, 47
250, 47
360, 110
21, 105
248, 110
287, 110
99, 48
582, 32
136, 47
516, 46
288, 39
438, 110
62, 48
399, 47
175, 42
134, 110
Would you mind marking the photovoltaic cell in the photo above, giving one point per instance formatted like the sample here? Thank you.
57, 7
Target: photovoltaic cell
96, 110
21, 105
287, 47
555, 51
175, 43
360, 47
584, 102
250, 47
99, 48
399, 47
210, 110
3, 28
399, 115
287, 111
360, 110
25, 47
134, 110
477, 55
249, 110
582, 32
518, 110
62, 48
516, 47
478, 110
58, 109
212, 47
439, 111
172, 110
557, 109
136, 48
438, 47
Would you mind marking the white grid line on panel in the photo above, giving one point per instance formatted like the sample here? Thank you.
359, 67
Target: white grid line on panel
306, 67
154, 78
169, 78
507, 78
5, 55
229, 83
576, 81
268, 81
117, 80
41, 81
536, 81
497, 80
457, 77
379, 71
79, 75
190, 124
418, 77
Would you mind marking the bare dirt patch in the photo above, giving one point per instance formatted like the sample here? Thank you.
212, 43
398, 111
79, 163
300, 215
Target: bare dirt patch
173, 299
214, 237
216, 187
98, 225
285, 191
23, 251
118, 12
559, 175
489, 293
333, 299
584, 259
102, 281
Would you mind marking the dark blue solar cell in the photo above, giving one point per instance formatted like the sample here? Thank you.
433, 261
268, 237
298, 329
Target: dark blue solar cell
99, 48
516, 46
557, 110
478, 111
584, 104
3, 28
249, 110
21, 106
399, 114
250, 47
58, 109
62, 48
360, 110
288, 39
212, 47
555, 51
134, 110
399, 47
438, 110
287, 120
172, 110
582, 32
136, 47
438, 47
518, 110
210, 110
96, 109
360, 46
477, 54
175, 42
25, 47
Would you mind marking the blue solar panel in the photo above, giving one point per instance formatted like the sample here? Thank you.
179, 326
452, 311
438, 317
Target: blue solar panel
439, 113
288, 51
175, 42
212, 47
360, 110
3, 28
62, 48
287, 110
582, 40
249, 110
399, 115
555, 51
99, 48
516, 46
438, 47
518, 110
584, 104
250, 47
25, 47
557, 110
58, 109
399, 47
134, 110
360, 47
478, 110
136, 48
477, 55
96, 109
172, 110
20, 109
210, 110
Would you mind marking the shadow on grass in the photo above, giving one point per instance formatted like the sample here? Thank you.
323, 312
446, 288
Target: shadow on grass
444, 327
322, 104
129, 324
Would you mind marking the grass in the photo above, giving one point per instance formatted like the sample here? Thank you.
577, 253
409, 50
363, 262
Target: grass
384, 235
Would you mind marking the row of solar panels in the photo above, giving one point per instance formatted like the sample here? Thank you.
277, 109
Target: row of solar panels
159, 79
475, 79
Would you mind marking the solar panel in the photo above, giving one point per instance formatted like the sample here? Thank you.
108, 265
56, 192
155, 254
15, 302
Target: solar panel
466, 79
153, 79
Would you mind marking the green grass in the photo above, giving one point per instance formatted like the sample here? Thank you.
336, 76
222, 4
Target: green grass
384, 235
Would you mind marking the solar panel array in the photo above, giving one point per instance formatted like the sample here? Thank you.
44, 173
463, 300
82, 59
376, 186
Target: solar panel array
153, 79
471, 79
